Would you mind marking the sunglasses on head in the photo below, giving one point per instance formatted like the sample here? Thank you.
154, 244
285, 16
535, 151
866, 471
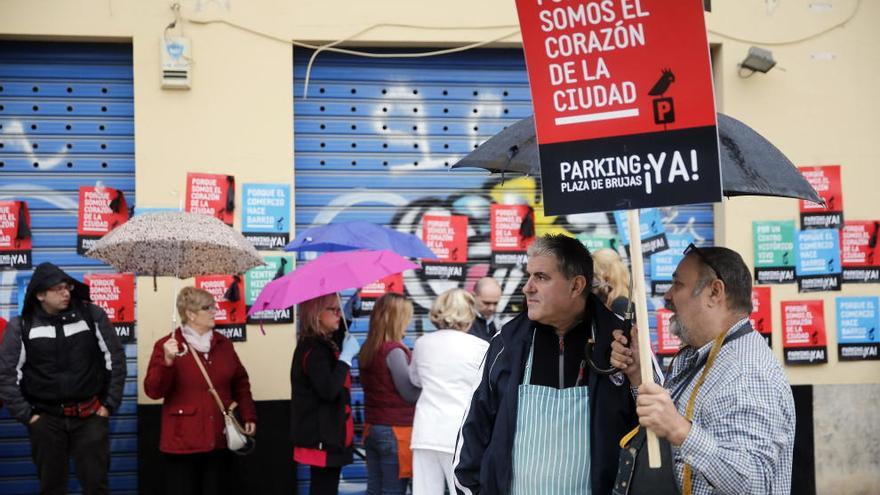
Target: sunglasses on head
705, 259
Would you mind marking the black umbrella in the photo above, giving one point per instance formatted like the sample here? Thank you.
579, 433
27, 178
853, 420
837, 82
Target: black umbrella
750, 165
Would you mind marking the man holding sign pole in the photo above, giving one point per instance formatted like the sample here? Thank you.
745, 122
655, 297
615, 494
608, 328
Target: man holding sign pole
725, 407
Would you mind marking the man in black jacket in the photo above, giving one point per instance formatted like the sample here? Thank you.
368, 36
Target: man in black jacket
487, 293
62, 372
562, 315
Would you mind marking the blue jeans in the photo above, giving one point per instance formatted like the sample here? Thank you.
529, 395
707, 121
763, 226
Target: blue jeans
382, 467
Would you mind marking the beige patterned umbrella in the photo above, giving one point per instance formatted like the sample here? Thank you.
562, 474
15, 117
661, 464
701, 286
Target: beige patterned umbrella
176, 244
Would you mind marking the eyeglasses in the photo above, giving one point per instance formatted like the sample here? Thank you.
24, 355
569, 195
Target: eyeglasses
702, 255
209, 307
335, 310
61, 287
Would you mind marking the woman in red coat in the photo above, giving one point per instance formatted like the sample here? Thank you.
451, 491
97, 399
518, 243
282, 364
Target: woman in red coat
192, 438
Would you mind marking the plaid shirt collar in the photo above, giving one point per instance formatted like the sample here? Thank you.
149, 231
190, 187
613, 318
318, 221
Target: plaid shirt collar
689, 356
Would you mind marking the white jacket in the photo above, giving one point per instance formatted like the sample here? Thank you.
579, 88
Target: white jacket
446, 365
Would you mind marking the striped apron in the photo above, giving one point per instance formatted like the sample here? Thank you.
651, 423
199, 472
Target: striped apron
551, 447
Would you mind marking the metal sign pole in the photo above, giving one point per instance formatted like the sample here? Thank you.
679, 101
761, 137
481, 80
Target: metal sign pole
641, 303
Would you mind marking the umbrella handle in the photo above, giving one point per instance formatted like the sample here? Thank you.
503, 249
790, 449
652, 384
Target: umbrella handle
344, 324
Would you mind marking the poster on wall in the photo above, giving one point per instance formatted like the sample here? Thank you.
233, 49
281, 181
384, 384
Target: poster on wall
15, 236
624, 105
775, 255
858, 328
664, 263
594, 242
256, 278
651, 227
761, 317
446, 236
667, 343
392, 284
101, 209
114, 293
231, 316
512, 229
265, 218
826, 181
803, 332
818, 260
859, 255
211, 194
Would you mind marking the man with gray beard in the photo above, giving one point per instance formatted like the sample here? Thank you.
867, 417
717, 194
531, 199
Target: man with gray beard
725, 407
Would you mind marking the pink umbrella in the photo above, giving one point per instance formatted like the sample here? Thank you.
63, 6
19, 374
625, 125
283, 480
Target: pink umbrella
329, 273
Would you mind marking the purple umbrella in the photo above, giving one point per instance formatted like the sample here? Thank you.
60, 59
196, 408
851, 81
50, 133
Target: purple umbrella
327, 274
348, 236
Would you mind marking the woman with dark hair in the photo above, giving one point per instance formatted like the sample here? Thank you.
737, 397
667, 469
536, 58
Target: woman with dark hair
389, 397
192, 439
321, 422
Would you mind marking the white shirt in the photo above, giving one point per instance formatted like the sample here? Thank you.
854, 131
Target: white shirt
446, 365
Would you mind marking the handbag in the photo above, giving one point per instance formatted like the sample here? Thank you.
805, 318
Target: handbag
236, 439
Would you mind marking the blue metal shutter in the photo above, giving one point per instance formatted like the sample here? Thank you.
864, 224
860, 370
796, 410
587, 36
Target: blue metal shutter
374, 141
66, 120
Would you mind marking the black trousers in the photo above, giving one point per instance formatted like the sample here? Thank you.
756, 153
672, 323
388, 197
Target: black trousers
199, 474
324, 480
55, 439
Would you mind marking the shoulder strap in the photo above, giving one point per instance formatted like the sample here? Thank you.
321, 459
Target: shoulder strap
207, 379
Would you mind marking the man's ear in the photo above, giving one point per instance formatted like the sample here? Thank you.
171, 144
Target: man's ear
578, 285
717, 292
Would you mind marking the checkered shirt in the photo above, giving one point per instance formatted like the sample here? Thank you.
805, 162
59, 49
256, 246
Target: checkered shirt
742, 435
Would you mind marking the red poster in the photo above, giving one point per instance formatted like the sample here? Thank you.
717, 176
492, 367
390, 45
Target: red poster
667, 343
114, 293
761, 317
101, 209
825, 179
858, 251
211, 194
506, 227
15, 236
392, 284
446, 236
229, 311
803, 332
623, 100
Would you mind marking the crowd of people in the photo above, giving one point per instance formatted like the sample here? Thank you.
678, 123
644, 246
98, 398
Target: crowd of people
474, 407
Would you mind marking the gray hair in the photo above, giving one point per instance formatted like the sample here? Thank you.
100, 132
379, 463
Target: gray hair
572, 257
734, 274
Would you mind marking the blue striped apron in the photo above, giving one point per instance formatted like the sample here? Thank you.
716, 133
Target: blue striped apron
551, 447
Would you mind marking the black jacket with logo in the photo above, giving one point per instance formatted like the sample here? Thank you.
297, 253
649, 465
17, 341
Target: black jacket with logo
63, 358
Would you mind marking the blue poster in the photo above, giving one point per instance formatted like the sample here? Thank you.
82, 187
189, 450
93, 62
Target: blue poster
818, 260
665, 262
265, 218
858, 323
651, 227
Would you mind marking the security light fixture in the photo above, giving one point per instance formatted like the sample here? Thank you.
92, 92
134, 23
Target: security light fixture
758, 60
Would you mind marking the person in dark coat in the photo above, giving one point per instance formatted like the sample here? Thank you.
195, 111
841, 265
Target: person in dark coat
547, 345
62, 372
487, 294
197, 460
321, 422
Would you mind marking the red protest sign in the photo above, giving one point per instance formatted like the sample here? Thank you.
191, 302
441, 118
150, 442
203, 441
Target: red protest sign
825, 179
858, 251
211, 194
506, 227
114, 293
623, 100
392, 284
761, 317
667, 343
446, 236
803, 332
15, 235
100, 210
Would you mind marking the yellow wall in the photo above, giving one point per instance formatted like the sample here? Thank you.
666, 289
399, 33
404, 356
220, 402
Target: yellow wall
238, 117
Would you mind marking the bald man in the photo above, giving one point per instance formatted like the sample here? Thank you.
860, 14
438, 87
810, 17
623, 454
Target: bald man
487, 293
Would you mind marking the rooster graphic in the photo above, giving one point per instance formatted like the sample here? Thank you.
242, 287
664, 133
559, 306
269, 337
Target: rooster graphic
662, 85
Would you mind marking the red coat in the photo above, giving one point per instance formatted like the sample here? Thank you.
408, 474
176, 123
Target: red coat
191, 420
